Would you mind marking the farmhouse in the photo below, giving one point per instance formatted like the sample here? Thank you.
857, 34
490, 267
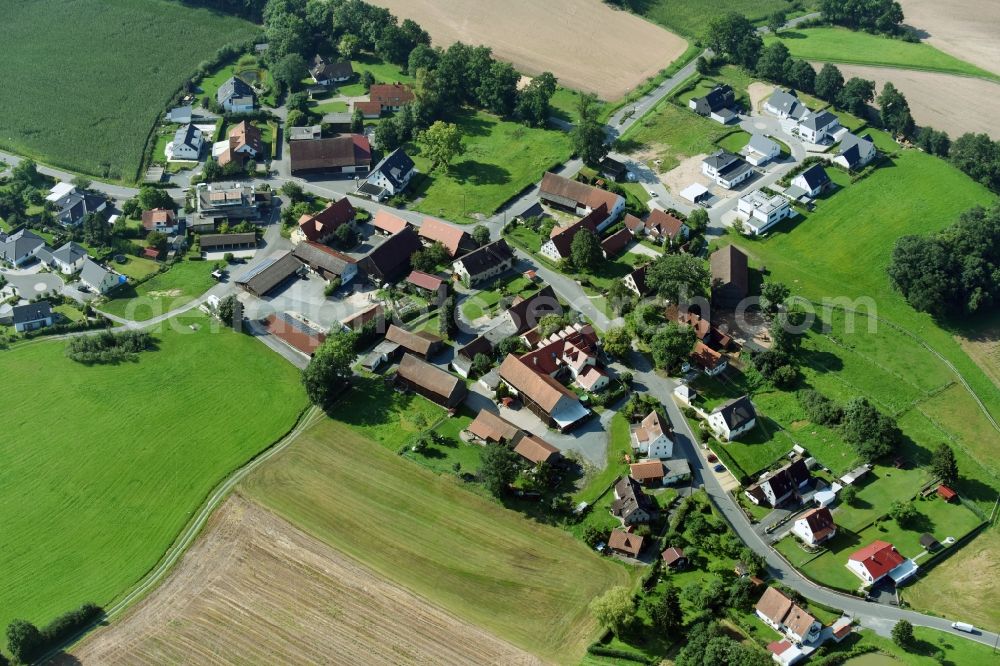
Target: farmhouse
236, 96
717, 104
227, 242
783, 615
431, 382
418, 343
733, 418
625, 543
580, 198
703, 329
486, 263
97, 278
162, 220
560, 240
217, 202
614, 244
20, 246
631, 505
730, 276
817, 127
705, 359
810, 183
878, 560
320, 227
325, 73
455, 240
390, 261
489, 428
855, 152
552, 402
186, 144
760, 211
32, 316
760, 150
391, 96
326, 262
636, 281
658, 225
341, 155
536, 450
649, 473
294, 332
652, 437
387, 224
244, 142
389, 177
269, 275
785, 104
815, 526
775, 488
726, 169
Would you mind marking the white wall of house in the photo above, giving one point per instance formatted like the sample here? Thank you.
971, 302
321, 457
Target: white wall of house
802, 530
550, 251
860, 571
109, 282
800, 181
33, 325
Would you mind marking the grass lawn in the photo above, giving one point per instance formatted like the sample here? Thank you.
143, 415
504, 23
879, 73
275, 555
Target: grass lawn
501, 158
690, 17
931, 648
563, 105
175, 288
69, 312
104, 131
619, 445
211, 84
384, 72
484, 301
92, 505
862, 48
335, 106
526, 238
734, 142
673, 133
136, 268
729, 74
526, 582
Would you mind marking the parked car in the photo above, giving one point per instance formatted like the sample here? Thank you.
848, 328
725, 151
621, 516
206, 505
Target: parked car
719, 468
712, 458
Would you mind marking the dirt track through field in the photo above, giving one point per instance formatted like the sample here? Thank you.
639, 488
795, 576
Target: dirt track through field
588, 45
966, 29
255, 590
956, 104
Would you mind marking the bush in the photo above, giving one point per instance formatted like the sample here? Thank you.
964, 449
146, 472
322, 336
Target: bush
108, 347
820, 409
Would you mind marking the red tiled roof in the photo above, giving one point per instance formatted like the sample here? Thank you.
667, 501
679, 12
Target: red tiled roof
325, 222
671, 555
388, 222
161, 216
946, 493
535, 449
584, 195
442, 232
151, 252
647, 470
705, 357
879, 558
368, 108
391, 94
625, 542
661, 223
425, 280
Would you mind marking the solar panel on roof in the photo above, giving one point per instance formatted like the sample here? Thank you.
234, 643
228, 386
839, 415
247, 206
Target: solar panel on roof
254, 272
298, 324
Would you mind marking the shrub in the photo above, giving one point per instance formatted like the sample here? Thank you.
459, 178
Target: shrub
108, 347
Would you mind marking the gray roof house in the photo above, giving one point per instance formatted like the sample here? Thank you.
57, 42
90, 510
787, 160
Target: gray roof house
20, 246
76, 205
855, 152
180, 114
809, 183
68, 258
785, 104
32, 316
96, 277
717, 104
389, 177
761, 150
236, 95
733, 418
727, 169
818, 126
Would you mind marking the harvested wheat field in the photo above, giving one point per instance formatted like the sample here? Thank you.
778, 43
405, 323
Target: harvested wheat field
966, 29
956, 104
588, 45
255, 590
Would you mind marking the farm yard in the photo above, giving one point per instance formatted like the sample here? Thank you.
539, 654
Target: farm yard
104, 464
524, 582
301, 602
103, 130
556, 36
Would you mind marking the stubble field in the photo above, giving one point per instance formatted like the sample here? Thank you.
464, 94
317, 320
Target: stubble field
256, 590
588, 45
967, 29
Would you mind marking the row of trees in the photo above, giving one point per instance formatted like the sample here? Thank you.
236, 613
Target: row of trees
954, 272
27, 642
879, 16
108, 347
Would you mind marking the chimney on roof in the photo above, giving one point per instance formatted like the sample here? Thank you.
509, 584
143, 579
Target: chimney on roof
535, 359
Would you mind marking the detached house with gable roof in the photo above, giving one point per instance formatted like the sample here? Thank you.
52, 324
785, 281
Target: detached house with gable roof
783, 615
879, 560
20, 246
487, 262
581, 199
810, 183
391, 96
818, 127
68, 259
652, 437
320, 227
560, 241
775, 488
785, 103
726, 169
456, 241
717, 104
855, 152
631, 505
389, 177
730, 276
733, 418
32, 316
325, 73
236, 96
99, 279
186, 144
815, 526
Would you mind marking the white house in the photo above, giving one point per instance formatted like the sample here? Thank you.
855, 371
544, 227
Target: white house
878, 560
487, 262
97, 278
760, 212
855, 152
815, 526
760, 150
236, 96
32, 316
783, 615
785, 104
818, 127
59, 190
734, 418
186, 144
810, 182
68, 259
20, 247
651, 439
726, 169
389, 177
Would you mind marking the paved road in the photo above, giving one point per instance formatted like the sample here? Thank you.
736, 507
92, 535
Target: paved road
114, 191
622, 119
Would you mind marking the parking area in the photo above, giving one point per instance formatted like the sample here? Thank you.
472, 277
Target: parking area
29, 285
305, 296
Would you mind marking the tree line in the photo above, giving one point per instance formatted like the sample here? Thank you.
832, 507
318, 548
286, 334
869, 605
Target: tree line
26, 642
108, 347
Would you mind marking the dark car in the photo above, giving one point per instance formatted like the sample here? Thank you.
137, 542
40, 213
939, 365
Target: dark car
719, 468
712, 458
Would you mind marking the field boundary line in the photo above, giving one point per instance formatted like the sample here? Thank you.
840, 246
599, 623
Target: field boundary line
307, 418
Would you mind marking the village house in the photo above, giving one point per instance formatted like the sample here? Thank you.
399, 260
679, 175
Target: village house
429, 285
676, 470
162, 220
760, 211
718, 104
706, 360
486, 263
219, 202
456, 241
785, 104
815, 526
20, 246
294, 332
97, 278
74, 207
68, 259
186, 144
631, 505
808, 184
560, 242
32, 316
818, 126
658, 226
733, 418
784, 616
536, 450
572, 351
652, 437
326, 73
389, 177
726, 169
244, 142
553, 403
431, 382
855, 152
625, 543
879, 560
320, 227
346, 155
390, 261
616, 243
703, 329
236, 96
781, 485
636, 281
387, 224
489, 428
730, 277
760, 150
581, 199
674, 558
326, 262
422, 344
649, 473
391, 96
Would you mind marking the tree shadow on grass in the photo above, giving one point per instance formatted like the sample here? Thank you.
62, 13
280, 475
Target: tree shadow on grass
479, 173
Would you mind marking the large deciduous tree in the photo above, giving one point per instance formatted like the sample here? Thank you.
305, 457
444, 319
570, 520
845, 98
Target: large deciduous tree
330, 367
442, 143
678, 277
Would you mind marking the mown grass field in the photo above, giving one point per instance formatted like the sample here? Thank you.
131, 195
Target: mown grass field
671, 134
176, 287
525, 582
862, 48
501, 158
85, 81
104, 465
690, 17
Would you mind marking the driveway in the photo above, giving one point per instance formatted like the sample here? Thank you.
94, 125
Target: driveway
29, 285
